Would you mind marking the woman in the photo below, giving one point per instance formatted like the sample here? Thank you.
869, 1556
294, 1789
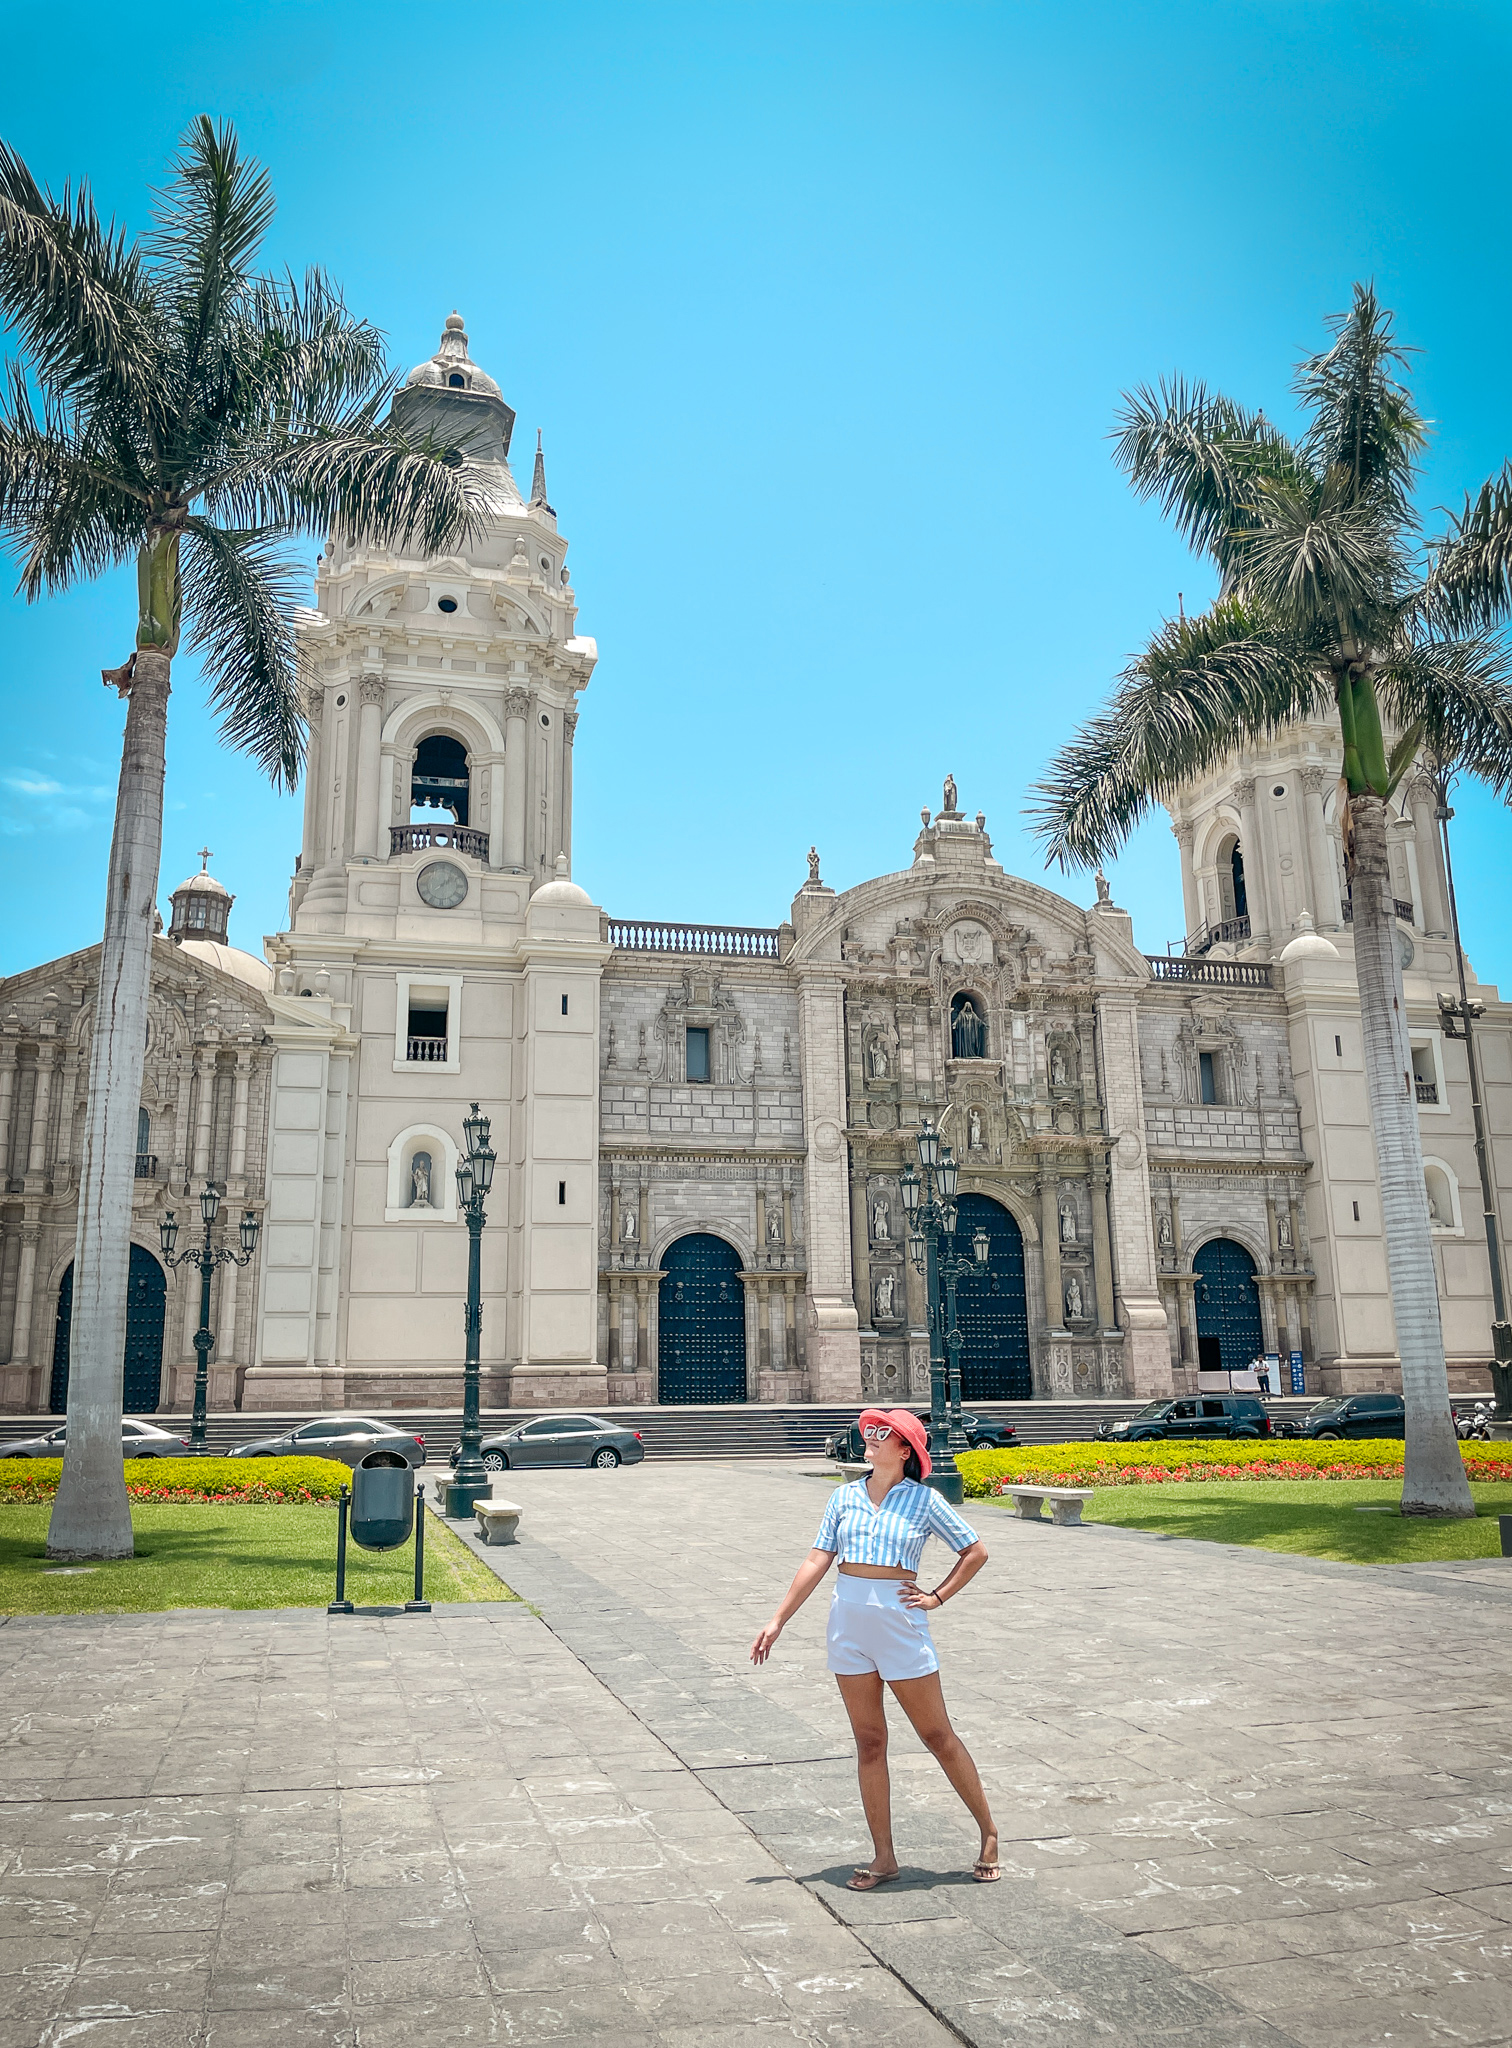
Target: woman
879, 1623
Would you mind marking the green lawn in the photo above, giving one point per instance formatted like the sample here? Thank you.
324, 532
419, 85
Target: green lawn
195, 1554
1315, 1517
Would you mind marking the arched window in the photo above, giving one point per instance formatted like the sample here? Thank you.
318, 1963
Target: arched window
441, 781
1233, 898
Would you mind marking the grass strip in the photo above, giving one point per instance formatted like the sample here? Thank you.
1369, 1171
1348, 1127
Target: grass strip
211, 1554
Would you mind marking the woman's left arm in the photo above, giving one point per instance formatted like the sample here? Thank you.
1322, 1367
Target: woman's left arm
961, 1573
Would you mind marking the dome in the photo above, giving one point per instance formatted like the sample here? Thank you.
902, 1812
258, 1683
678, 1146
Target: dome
204, 884
1309, 944
451, 368
201, 906
561, 894
230, 960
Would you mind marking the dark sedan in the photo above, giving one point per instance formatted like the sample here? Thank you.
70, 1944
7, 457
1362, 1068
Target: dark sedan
347, 1437
1360, 1415
561, 1440
982, 1433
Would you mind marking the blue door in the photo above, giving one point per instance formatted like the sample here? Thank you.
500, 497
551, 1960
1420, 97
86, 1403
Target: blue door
1228, 1305
142, 1366
992, 1311
701, 1352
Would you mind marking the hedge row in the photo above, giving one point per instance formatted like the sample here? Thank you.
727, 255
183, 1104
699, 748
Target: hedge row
1164, 1464
214, 1479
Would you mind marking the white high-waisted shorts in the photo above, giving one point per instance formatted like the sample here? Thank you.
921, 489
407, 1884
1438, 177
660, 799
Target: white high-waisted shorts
871, 1630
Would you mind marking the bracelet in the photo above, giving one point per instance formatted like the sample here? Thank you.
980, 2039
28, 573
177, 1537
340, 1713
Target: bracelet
936, 1594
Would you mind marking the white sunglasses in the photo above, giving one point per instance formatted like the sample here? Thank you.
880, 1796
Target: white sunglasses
877, 1432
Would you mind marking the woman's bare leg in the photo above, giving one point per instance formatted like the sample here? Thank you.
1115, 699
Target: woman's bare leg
865, 1703
924, 1703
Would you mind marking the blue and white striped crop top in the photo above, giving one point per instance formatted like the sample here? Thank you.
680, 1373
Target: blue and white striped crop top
894, 1533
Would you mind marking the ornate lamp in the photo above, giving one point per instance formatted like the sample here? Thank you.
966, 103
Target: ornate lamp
949, 1173
168, 1231
464, 1181
209, 1201
908, 1183
248, 1231
929, 1146
916, 1248
981, 1245
483, 1161
475, 1130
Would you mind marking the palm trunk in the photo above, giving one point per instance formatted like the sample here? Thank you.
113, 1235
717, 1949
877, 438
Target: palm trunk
1434, 1481
91, 1516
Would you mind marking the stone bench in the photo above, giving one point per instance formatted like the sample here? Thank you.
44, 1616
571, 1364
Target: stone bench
497, 1520
1065, 1503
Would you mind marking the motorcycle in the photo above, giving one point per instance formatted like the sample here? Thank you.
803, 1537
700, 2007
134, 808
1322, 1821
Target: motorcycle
1476, 1425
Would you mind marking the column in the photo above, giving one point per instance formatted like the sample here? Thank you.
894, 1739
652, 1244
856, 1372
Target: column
643, 1331
309, 839
494, 766
241, 1088
1049, 1192
767, 1351
1432, 907
790, 1359
569, 727
1191, 901
224, 1326
369, 742
615, 1310
204, 1110
1255, 894
516, 711
8, 1054
1102, 1248
761, 1228
832, 1332
47, 1060
1137, 1303
1189, 1351
1322, 870
860, 1255
26, 1282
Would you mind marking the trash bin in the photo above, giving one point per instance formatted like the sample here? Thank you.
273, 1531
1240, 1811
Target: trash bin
383, 1501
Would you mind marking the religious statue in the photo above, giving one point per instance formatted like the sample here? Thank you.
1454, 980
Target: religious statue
813, 860
1104, 893
885, 1288
774, 1226
881, 1221
1057, 1066
968, 1033
420, 1173
1284, 1229
878, 1060
950, 796
1073, 1300
1435, 1216
1067, 1223
629, 1224
974, 1130
1163, 1231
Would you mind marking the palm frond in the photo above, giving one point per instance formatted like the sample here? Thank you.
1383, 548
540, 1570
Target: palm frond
1458, 693
1318, 553
239, 598
1201, 458
73, 289
1471, 582
1364, 420
64, 516
1201, 688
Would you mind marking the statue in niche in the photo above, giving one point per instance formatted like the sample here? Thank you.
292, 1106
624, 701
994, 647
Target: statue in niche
774, 1226
885, 1287
881, 1221
1057, 1066
1163, 1231
1435, 1214
974, 1130
629, 1224
1073, 1300
878, 1060
950, 796
968, 1031
1067, 1223
1284, 1229
420, 1179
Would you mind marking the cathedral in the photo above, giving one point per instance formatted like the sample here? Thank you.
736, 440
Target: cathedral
700, 1128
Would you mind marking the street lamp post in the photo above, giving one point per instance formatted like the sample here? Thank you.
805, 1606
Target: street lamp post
929, 1196
475, 1172
207, 1257
1458, 1008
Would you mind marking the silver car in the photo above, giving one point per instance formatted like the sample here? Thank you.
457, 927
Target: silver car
561, 1440
138, 1440
347, 1437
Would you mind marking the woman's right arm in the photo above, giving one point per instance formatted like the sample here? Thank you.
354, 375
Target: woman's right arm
807, 1576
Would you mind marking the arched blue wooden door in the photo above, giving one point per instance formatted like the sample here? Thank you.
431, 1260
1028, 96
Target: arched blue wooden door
992, 1311
701, 1349
1228, 1307
142, 1366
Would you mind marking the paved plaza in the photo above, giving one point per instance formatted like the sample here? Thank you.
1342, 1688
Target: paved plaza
1244, 1800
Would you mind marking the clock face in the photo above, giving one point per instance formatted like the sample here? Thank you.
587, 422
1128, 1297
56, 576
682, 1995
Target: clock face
442, 885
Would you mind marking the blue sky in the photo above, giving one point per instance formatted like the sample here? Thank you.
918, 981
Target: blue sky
825, 311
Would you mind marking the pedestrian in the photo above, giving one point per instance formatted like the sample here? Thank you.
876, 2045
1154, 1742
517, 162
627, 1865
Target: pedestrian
879, 1624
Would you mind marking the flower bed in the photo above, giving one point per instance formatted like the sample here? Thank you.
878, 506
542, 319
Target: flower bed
1165, 1464
263, 1480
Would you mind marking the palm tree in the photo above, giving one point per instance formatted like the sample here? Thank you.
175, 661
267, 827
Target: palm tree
177, 408
1320, 608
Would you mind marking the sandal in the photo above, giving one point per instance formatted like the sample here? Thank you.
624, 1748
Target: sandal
986, 1873
868, 1880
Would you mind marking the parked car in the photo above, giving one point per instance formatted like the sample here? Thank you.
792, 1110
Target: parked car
561, 1440
347, 1437
1207, 1415
1354, 1415
982, 1433
138, 1440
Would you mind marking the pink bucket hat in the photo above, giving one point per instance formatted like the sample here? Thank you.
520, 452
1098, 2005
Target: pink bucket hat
908, 1427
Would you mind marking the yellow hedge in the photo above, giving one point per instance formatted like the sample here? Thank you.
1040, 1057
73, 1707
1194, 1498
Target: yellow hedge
1156, 1464
217, 1479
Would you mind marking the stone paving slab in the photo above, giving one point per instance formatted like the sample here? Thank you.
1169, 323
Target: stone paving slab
1245, 1798
239, 1830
